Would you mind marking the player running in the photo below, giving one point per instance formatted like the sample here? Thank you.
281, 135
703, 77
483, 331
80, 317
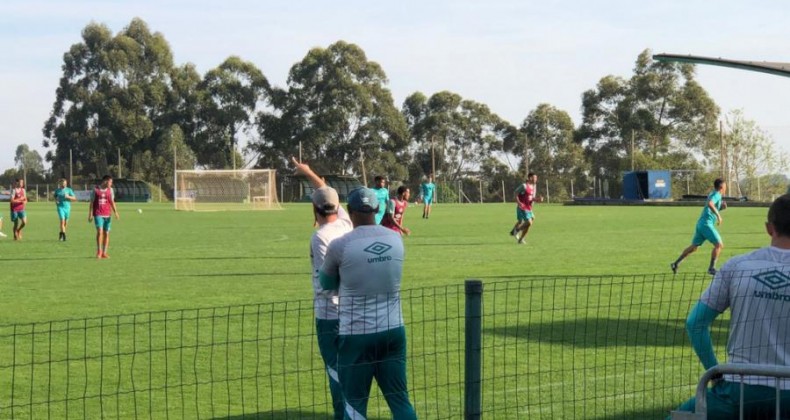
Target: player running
383, 195
102, 205
706, 230
393, 219
18, 215
426, 189
64, 195
525, 196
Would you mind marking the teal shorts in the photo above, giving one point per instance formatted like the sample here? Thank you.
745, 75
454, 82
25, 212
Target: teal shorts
103, 223
523, 215
427, 200
706, 233
18, 215
64, 213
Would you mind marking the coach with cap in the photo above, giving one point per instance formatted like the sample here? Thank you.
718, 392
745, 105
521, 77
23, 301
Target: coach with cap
366, 267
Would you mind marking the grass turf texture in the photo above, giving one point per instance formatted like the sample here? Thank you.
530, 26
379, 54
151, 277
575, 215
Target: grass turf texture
166, 260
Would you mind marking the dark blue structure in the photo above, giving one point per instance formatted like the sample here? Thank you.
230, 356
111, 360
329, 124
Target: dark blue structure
647, 185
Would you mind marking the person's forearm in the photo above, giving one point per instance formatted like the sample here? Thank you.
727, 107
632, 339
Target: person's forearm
698, 328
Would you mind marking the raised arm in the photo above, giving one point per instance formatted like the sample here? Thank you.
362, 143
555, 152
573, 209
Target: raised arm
302, 168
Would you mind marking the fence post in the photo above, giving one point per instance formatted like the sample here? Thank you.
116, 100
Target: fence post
473, 350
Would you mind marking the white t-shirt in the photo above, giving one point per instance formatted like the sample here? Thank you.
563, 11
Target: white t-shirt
369, 263
325, 301
756, 288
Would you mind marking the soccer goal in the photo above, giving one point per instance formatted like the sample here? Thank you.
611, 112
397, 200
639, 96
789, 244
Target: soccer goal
214, 190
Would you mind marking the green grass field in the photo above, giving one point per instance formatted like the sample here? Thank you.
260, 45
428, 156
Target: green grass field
581, 344
163, 259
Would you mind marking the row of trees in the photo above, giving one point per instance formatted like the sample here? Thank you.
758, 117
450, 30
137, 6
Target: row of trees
123, 94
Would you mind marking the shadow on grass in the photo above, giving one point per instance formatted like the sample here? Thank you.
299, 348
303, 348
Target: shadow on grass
607, 332
285, 415
647, 413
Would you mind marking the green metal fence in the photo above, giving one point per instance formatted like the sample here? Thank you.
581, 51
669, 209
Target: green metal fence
528, 347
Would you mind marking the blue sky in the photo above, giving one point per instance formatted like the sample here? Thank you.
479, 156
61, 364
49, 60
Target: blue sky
511, 55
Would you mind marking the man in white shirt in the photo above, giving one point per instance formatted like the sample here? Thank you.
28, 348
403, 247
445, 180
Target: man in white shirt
756, 289
366, 267
333, 222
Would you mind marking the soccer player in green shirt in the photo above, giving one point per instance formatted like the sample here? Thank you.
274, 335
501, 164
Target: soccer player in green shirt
383, 195
706, 229
63, 198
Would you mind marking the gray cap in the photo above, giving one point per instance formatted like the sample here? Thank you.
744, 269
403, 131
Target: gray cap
363, 200
326, 200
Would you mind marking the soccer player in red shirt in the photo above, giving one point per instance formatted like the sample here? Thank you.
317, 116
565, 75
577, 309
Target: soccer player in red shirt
525, 196
102, 204
18, 201
393, 218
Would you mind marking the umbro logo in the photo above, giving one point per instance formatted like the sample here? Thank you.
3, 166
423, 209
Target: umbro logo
773, 279
377, 248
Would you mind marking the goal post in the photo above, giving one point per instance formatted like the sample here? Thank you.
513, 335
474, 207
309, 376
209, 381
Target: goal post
215, 190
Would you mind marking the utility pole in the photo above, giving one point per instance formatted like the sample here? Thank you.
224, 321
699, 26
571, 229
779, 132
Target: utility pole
362, 162
721, 139
526, 156
632, 151
119, 163
71, 159
433, 157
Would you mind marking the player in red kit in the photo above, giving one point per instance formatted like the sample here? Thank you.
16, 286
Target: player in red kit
18, 201
393, 219
525, 195
101, 209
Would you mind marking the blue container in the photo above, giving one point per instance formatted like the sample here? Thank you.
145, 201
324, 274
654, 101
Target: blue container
647, 185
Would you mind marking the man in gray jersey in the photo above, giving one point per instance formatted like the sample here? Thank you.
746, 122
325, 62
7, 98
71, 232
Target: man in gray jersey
366, 267
333, 222
756, 289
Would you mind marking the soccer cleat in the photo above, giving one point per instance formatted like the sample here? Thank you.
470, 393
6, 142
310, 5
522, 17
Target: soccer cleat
64, 236
674, 267
712, 271
512, 232
98, 255
105, 256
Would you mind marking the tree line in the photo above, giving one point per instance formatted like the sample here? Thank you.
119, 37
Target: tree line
122, 94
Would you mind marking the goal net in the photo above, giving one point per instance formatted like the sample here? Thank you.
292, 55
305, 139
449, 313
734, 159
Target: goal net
213, 190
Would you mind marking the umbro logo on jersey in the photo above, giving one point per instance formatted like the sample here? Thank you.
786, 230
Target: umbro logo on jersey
773, 279
377, 248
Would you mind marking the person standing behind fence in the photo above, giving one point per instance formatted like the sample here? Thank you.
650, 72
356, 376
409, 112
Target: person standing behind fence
63, 198
754, 287
383, 196
333, 222
102, 204
366, 267
18, 214
427, 189
706, 229
525, 196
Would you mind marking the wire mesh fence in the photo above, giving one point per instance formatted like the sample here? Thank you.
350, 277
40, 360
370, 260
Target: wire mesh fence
552, 347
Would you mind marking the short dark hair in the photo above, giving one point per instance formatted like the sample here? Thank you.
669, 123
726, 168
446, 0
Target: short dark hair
779, 215
106, 178
402, 189
531, 174
19, 179
717, 183
378, 178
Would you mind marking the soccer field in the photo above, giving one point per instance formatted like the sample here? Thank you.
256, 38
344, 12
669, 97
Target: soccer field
554, 347
163, 259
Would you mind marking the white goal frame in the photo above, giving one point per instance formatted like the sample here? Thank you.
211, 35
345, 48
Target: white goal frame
225, 189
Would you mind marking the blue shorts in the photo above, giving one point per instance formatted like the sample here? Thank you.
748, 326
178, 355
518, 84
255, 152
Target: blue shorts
523, 215
706, 233
18, 215
427, 200
103, 223
64, 213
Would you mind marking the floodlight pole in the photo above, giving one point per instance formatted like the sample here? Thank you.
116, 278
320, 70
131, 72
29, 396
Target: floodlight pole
71, 159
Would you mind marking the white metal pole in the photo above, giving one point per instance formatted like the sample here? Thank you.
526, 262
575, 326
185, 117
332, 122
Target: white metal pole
481, 191
572, 189
503, 191
70, 168
548, 197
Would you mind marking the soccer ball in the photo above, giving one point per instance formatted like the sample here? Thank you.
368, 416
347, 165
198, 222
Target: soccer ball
140, 211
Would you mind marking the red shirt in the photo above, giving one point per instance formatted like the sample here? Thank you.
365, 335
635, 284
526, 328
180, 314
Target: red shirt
16, 194
102, 202
396, 216
526, 196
